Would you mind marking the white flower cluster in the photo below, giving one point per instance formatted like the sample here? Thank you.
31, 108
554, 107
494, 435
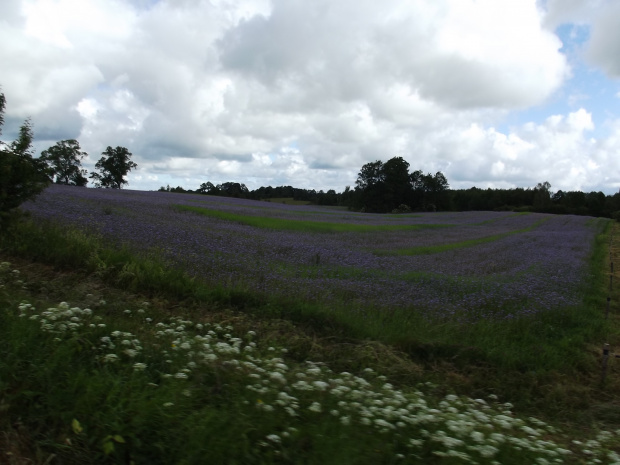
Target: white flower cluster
192, 345
472, 430
8, 275
125, 343
62, 319
459, 428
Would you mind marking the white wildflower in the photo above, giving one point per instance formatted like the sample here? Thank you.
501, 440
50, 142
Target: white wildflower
315, 407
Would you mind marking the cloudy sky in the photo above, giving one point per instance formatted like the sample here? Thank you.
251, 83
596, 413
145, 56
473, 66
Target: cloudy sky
493, 93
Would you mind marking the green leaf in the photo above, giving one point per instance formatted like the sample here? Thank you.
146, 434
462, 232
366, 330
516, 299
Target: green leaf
75, 425
108, 447
118, 438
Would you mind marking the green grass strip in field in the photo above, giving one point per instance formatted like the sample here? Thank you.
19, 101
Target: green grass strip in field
430, 249
302, 225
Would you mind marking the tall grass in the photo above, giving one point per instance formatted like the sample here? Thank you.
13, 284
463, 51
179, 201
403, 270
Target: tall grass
125, 381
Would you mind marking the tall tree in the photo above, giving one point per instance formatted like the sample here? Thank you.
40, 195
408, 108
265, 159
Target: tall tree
383, 187
22, 146
371, 186
370, 175
208, 188
542, 196
64, 161
113, 167
21, 176
397, 187
233, 189
435, 189
2, 106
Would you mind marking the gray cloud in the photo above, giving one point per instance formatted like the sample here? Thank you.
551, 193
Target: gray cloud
342, 53
301, 93
559, 12
604, 47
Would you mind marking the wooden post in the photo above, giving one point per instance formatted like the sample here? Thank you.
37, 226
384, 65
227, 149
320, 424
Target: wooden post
607, 311
605, 360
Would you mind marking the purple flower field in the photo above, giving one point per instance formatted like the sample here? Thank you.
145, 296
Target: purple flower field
501, 264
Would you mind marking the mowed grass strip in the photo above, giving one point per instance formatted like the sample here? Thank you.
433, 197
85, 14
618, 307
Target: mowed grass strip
431, 249
302, 225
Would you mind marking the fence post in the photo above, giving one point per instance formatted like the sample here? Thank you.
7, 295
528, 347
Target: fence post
607, 311
605, 360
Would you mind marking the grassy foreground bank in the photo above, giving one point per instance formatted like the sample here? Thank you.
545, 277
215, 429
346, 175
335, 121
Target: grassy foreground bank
112, 358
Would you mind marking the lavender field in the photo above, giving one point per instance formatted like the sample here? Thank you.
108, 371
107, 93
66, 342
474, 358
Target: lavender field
462, 266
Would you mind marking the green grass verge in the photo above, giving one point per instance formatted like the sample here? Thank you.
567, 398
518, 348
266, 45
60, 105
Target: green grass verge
302, 225
431, 249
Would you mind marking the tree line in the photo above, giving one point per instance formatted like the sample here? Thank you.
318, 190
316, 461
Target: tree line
22, 176
383, 187
538, 199
239, 190
380, 187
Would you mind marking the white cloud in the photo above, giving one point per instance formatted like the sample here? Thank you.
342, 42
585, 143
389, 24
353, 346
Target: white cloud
558, 150
559, 12
302, 93
601, 17
459, 54
604, 47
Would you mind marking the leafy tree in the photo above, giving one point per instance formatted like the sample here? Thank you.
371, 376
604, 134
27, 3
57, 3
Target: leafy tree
113, 167
384, 187
418, 186
397, 190
208, 188
542, 196
595, 203
22, 146
436, 189
2, 105
429, 191
370, 175
233, 189
370, 184
21, 177
328, 198
64, 162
